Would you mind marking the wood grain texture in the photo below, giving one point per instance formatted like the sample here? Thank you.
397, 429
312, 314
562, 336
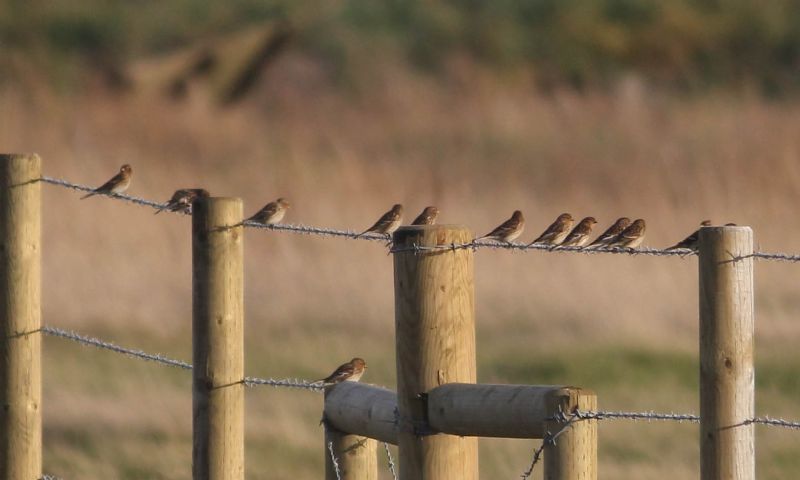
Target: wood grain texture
485, 410
727, 375
362, 409
20, 317
435, 344
217, 340
573, 455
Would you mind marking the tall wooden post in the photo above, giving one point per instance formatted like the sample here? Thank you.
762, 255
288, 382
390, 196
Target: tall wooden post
356, 456
572, 455
217, 339
435, 336
727, 376
20, 317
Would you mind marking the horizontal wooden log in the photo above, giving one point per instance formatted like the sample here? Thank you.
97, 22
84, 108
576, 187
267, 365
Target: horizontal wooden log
485, 410
363, 410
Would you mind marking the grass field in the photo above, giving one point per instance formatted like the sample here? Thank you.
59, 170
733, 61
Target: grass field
475, 146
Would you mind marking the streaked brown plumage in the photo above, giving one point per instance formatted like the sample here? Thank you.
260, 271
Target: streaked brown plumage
271, 213
181, 200
388, 223
556, 232
611, 233
118, 183
691, 242
427, 217
347, 372
579, 236
508, 230
631, 237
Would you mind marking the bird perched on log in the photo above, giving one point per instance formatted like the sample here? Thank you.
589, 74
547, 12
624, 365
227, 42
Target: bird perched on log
691, 242
271, 213
508, 230
631, 237
346, 372
556, 232
181, 200
579, 236
388, 223
427, 217
611, 233
118, 183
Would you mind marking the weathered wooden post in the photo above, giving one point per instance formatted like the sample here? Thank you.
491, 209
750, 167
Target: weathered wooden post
727, 376
435, 344
356, 456
572, 455
217, 339
20, 317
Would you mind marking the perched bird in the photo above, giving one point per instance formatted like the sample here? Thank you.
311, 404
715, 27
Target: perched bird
118, 183
556, 232
611, 233
347, 372
181, 200
388, 223
273, 212
427, 217
690, 242
579, 235
631, 237
508, 230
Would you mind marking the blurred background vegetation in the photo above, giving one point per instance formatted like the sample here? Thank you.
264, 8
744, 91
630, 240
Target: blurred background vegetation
673, 111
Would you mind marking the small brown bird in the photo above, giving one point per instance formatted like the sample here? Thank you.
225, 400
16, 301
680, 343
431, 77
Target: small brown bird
690, 242
556, 232
388, 223
181, 200
347, 372
118, 183
271, 213
427, 217
508, 230
611, 233
631, 237
579, 235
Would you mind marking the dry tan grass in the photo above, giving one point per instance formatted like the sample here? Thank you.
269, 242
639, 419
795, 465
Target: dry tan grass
476, 147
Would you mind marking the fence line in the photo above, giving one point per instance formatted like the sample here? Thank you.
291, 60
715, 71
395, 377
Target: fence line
549, 439
390, 461
481, 244
334, 461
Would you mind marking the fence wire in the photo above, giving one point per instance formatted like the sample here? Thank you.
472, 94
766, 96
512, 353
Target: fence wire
549, 439
49, 477
334, 462
474, 245
390, 460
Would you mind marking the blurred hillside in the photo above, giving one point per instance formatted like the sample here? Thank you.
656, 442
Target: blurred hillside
683, 44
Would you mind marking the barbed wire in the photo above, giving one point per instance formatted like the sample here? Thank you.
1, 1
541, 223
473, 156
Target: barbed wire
390, 460
152, 357
334, 461
678, 417
549, 439
49, 477
474, 245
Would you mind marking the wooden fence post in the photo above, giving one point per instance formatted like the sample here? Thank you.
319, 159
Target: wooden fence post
217, 340
20, 317
356, 456
727, 376
435, 344
572, 455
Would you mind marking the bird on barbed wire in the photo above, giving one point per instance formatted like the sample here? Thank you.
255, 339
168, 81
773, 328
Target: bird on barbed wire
631, 237
508, 230
181, 200
346, 372
388, 223
691, 242
427, 217
118, 183
611, 233
556, 232
579, 235
271, 213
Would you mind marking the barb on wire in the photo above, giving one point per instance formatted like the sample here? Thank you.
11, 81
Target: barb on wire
287, 382
487, 244
390, 460
49, 477
605, 415
549, 439
774, 422
334, 461
96, 342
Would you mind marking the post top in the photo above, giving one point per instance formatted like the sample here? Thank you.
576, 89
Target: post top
432, 235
